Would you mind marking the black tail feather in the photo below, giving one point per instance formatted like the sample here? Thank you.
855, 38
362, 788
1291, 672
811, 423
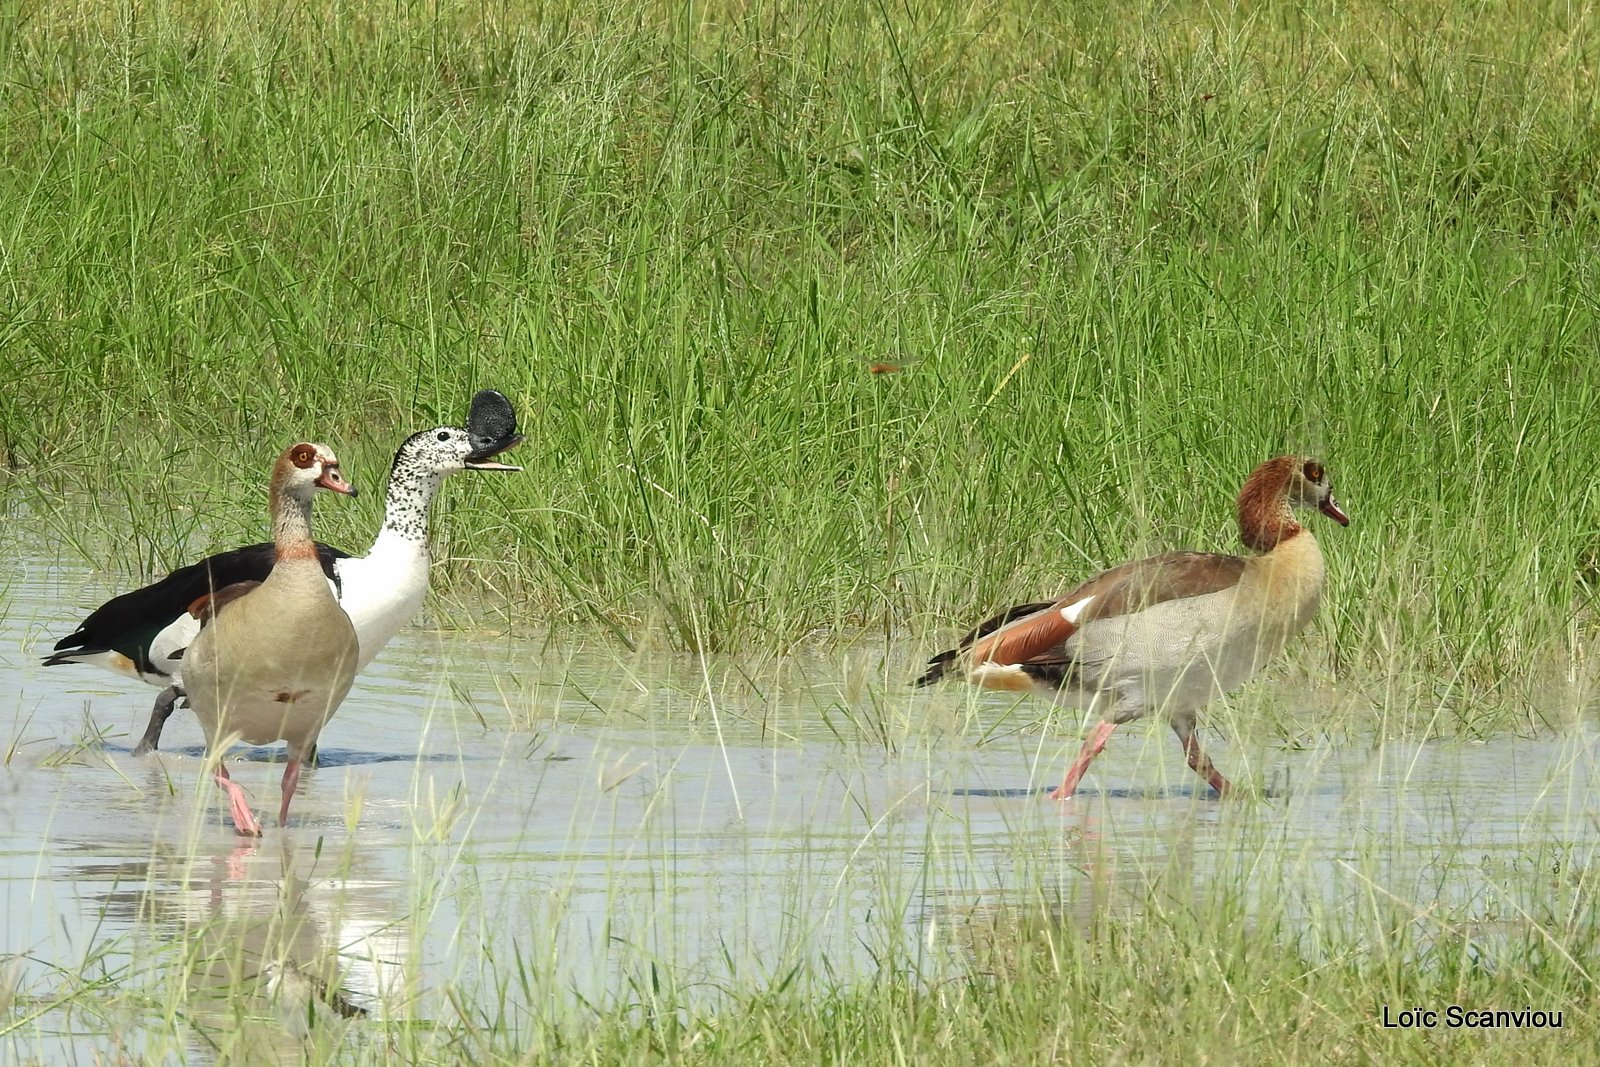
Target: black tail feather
71, 655
938, 667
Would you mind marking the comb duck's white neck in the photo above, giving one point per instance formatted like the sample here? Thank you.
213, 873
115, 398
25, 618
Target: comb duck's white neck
414, 481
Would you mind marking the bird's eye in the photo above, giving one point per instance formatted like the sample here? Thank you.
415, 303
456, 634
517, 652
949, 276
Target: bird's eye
1313, 472
444, 435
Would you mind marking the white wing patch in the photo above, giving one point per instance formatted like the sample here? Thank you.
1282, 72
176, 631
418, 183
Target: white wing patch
1076, 608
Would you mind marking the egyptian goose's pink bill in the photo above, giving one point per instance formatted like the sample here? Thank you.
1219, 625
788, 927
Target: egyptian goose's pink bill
333, 480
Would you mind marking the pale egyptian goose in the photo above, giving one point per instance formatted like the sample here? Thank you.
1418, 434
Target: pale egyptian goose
274, 658
139, 633
1170, 633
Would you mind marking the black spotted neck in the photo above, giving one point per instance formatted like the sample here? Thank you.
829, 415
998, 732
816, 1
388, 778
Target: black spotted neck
412, 484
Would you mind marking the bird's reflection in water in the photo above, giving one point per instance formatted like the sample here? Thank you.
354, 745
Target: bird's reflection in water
277, 939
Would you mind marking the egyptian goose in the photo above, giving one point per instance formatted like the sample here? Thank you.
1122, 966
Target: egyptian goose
274, 658
139, 633
1170, 633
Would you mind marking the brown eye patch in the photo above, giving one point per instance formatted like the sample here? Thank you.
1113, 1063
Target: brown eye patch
1314, 471
303, 456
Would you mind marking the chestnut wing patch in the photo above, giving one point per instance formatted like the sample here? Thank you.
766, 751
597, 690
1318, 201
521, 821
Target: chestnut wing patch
1031, 635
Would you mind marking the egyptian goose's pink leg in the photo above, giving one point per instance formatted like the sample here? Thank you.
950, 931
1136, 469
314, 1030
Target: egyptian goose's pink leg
291, 781
1202, 765
1091, 748
244, 821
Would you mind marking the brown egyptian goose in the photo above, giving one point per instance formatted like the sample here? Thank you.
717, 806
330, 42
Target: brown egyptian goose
274, 658
1170, 633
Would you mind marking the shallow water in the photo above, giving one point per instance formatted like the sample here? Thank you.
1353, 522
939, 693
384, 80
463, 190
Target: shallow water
501, 821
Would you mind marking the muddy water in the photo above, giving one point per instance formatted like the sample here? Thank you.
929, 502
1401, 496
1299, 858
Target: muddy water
498, 820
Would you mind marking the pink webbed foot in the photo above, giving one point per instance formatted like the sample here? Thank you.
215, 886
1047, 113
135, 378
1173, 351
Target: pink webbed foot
244, 820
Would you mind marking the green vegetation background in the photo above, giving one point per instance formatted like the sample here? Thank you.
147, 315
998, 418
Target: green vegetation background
1121, 253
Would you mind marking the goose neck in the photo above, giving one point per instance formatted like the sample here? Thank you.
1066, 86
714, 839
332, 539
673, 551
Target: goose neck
1265, 518
291, 526
410, 494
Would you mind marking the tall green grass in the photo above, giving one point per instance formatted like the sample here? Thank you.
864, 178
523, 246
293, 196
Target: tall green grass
1121, 254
